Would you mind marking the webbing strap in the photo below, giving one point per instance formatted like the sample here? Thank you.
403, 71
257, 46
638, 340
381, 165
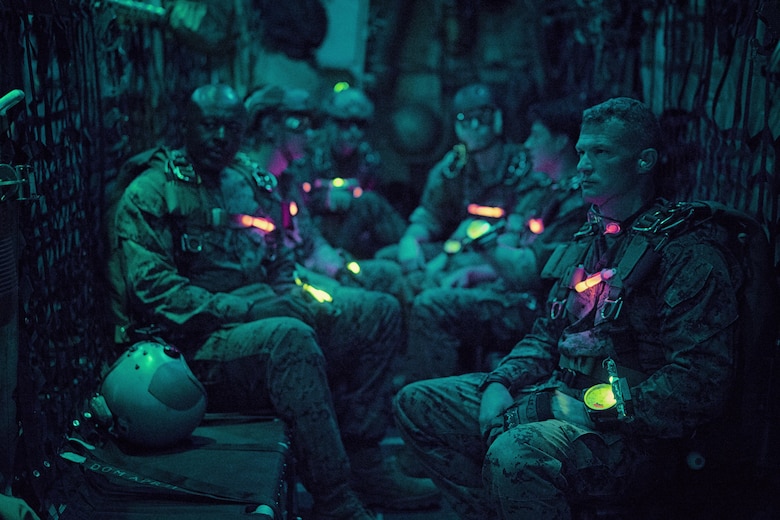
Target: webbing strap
637, 260
600, 374
105, 462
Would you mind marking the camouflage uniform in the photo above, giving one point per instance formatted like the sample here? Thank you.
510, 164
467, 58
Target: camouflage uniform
304, 236
191, 267
673, 340
371, 222
447, 323
455, 182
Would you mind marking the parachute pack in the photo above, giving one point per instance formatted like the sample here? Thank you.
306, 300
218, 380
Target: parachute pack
746, 437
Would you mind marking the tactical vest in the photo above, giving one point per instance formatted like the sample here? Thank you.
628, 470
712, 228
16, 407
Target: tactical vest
751, 415
515, 178
184, 201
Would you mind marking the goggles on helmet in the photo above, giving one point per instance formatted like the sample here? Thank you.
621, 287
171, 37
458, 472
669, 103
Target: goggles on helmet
296, 121
476, 117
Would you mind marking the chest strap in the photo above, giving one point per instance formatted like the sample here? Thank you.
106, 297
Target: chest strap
637, 259
572, 375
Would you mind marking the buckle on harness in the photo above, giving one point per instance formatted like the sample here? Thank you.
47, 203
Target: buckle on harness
191, 244
557, 309
664, 220
568, 376
611, 308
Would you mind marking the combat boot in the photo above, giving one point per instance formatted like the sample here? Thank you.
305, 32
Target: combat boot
379, 482
345, 505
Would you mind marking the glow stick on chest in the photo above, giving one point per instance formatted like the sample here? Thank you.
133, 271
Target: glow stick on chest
263, 224
594, 279
485, 211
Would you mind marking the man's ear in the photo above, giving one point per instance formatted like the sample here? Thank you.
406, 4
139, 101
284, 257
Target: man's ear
562, 142
498, 122
268, 128
647, 160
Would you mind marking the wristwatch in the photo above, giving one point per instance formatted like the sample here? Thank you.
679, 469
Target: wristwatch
601, 406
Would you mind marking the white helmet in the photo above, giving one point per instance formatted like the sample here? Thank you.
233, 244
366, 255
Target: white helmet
153, 396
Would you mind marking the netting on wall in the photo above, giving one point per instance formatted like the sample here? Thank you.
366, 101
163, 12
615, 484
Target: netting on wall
96, 89
56, 135
707, 69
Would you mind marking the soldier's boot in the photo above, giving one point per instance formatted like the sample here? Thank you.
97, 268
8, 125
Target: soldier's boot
379, 482
343, 505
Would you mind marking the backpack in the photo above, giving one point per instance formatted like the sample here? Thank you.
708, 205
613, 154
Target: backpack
747, 436
729, 468
745, 439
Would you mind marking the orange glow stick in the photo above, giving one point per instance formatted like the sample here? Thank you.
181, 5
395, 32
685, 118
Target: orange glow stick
263, 224
594, 279
485, 211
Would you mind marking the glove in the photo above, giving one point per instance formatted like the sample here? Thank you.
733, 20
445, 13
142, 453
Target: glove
495, 400
291, 304
410, 255
567, 408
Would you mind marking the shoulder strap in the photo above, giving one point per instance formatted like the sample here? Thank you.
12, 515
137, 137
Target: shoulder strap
561, 267
654, 228
649, 234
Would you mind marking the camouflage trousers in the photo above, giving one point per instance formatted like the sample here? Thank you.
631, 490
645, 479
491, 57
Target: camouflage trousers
531, 471
330, 385
379, 275
449, 329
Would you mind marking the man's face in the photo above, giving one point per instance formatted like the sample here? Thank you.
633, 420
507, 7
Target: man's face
347, 135
295, 131
608, 163
544, 147
213, 136
476, 128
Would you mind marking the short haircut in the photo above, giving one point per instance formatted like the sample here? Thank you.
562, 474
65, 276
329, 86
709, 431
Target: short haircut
560, 116
642, 127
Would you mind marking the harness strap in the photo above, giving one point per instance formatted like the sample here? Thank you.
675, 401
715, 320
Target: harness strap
598, 374
638, 259
561, 265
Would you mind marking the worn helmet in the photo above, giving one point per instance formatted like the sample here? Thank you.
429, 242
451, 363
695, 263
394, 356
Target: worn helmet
153, 396
472, 97
278, 98
348, 103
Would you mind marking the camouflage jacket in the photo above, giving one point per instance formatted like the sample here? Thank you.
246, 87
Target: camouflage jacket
195, 254
673, 333
311, 173
454, 183
551, 217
